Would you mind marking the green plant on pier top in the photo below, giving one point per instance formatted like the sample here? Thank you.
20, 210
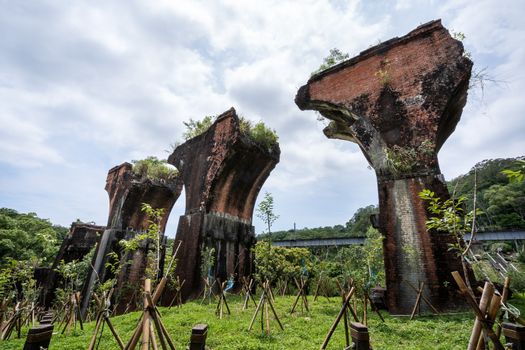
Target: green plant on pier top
154, 169
258, 132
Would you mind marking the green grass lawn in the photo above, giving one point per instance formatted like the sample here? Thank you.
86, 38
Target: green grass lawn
302, 330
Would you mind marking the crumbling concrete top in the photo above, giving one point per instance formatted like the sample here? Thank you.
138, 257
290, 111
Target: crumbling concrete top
405, 92
223, 169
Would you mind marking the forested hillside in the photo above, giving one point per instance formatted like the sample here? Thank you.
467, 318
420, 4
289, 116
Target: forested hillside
25, 237
502, 203
355, 227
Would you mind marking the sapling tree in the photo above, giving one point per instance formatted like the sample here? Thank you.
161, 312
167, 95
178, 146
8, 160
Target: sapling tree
334, 57
265, 211
363, 264
449, 216
151, 237
207, 261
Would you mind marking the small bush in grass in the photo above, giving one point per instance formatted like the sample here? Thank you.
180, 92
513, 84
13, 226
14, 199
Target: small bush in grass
501, 247
517, 281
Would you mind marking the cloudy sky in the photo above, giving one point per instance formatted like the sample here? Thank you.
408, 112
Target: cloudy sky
87, 85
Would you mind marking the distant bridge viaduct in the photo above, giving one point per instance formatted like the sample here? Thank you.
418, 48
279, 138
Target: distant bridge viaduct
337, 242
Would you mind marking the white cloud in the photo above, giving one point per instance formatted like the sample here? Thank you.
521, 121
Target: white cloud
92, 84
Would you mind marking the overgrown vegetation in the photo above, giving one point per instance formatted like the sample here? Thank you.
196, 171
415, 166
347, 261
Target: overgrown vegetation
502, 202
195, 128
24, 237
71, 278
26, 242
401, 160
258, 132
273, 263
154, 169
449, 216
335, 56
383, 74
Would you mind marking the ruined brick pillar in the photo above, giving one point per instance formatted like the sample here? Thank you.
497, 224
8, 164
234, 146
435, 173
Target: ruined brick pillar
127, 191
81, 238
399, 101
223, 171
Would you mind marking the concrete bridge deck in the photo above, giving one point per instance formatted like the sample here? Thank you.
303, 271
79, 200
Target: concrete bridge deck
339, 242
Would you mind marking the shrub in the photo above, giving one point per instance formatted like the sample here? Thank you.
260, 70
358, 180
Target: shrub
258, 132
335, 56
263, 135
197, 127
517, 281
501, 247
154, 169
278, 262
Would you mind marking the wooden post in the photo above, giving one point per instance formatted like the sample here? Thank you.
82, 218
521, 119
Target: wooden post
514, 334
504, 297
493, 309
488, 291
360, 336
146, 317
38, 337
199, 332
301, 294
480, 315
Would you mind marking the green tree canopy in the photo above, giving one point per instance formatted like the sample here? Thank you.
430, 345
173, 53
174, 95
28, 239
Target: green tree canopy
27, 237
265, 211
500, 200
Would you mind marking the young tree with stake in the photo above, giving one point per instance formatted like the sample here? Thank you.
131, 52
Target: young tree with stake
265, 211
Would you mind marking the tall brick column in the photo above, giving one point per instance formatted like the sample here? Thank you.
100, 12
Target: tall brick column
399, 101
127, 191
223, 171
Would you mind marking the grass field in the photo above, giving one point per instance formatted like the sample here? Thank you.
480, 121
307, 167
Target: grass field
302, 330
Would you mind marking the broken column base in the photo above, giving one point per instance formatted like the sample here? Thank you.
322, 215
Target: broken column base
412, 253
231, 237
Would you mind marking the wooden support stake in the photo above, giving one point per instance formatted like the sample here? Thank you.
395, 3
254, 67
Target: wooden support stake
488, 291
301, 294
338, 318
374, 308
146, 318
493, 309
247, 290
480, 315
418, 300
262, 305
352, 311
425, 299
504, 297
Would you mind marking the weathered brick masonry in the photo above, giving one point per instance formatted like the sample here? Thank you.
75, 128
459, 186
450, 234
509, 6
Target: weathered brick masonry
81, 238
399, 101
223, 171
127, 191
